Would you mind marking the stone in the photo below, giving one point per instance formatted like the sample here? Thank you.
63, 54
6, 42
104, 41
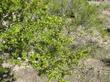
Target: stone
26, 74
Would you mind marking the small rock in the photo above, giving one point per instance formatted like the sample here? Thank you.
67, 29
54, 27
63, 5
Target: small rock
5, 76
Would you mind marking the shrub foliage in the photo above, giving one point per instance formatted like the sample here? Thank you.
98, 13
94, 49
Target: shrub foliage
34, 30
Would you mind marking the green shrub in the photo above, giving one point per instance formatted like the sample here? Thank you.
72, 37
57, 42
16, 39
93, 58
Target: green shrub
35, 34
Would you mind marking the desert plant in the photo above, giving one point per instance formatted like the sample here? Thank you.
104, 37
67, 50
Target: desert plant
29, 31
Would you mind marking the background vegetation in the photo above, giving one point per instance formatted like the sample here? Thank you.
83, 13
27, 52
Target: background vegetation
41, 32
